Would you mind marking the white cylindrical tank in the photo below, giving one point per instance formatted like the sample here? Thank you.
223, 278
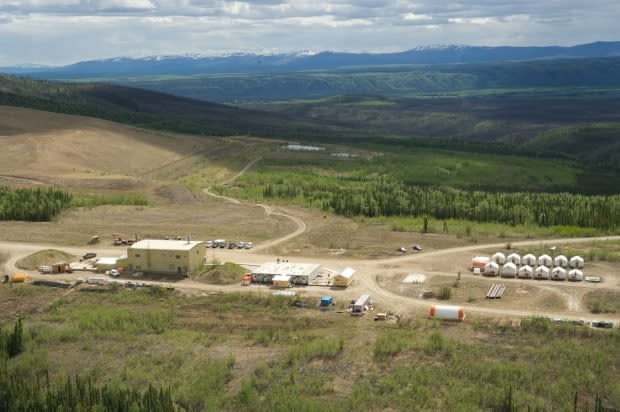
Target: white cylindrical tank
499, 258
526, 272
575, 275
479, 262
529, 259
491, 269
446, 312
561, 261
541, 272
558, 273
577, 262
514, 258
509, 270
545, 260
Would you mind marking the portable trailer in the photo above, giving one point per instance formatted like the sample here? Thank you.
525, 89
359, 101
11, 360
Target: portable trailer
359, 307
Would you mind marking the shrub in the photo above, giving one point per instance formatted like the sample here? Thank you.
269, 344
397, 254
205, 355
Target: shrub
445, 293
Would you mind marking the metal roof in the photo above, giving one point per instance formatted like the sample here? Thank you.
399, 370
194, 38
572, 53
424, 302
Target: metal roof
290, 269
159, 244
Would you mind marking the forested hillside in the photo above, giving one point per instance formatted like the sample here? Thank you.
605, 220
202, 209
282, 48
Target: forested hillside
398, 80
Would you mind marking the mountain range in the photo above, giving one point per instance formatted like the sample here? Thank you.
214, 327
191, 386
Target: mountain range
300, 61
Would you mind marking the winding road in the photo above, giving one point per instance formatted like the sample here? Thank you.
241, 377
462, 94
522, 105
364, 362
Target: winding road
367, 269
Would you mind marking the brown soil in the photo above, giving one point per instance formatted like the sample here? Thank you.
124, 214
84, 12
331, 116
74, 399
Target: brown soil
331, 235
473, 290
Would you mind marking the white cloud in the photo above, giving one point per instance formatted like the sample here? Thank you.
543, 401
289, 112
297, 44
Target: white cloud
63, 31
417, 17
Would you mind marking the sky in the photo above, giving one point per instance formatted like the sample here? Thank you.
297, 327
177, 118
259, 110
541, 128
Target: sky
58, 32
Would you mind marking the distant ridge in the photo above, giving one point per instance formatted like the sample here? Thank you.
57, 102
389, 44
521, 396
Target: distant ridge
290, 62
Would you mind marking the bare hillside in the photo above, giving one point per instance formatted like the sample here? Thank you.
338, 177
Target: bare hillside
55, 148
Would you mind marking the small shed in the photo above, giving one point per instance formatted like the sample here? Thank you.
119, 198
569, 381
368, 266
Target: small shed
575, 275
545, 260
526, 272
561, 261
558, 273
478, 262
499, 258
509, 270
576, 262
281, 281
344, 277
541, 272
491, 269
514, 258
529, 259
106, 263
326, 301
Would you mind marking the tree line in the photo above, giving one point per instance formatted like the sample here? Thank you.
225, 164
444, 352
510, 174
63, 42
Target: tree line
18, 393
385, 196
32, 204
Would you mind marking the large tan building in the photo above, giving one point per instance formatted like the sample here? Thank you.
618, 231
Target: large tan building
165, 256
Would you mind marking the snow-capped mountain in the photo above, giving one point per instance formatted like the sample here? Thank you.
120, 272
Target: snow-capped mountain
311, 60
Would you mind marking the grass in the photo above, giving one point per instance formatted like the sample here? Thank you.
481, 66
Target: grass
603, 301
209, 350
418, 166
596, 251
43, 257
93, 200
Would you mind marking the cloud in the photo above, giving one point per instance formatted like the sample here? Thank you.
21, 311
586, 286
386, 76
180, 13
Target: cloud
63, 31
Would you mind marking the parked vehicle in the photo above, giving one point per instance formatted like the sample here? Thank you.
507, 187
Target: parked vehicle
417, 247
232, 245
249, 245
89, 255
113, 272
602, 324
240, 245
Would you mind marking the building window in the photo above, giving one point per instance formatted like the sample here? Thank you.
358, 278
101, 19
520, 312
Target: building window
138, 267
178, 256
137, 255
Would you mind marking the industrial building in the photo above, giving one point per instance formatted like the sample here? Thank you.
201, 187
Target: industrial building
177, 257
300, 273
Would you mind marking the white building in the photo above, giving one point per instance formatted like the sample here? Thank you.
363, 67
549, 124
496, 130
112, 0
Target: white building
525, 272
529, 259
300, 273
509, 270
499, 258
545, 260
561, 261
576, 262
491, 269
514, 258
558, 273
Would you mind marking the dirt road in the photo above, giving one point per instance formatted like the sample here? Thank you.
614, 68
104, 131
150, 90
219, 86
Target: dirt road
300, 224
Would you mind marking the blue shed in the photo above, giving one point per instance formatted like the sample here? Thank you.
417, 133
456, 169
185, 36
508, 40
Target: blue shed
326, 301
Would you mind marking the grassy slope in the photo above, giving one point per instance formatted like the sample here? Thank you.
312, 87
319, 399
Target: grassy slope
242, 352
